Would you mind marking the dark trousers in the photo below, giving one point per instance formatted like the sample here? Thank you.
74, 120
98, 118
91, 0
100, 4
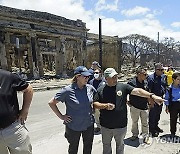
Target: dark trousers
154, 117
174, 113
73, 138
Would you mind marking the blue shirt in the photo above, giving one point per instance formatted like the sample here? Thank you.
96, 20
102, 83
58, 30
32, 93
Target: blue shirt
78, 105
175, 95
157, 84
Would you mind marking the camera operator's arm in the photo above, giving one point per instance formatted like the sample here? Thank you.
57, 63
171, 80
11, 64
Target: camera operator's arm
27, 99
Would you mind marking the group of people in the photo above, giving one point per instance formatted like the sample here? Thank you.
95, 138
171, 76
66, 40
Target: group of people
91, 93
156, 83
106, 95
142, 108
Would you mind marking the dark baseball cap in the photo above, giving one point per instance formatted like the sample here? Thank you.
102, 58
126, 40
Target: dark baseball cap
82, 70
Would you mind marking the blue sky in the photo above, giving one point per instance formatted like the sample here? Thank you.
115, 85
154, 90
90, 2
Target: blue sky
119, 17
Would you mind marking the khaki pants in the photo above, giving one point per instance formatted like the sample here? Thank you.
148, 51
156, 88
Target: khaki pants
135, 114
15, 140
96, 116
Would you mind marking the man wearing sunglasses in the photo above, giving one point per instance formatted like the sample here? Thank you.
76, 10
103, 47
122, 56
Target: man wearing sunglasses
139, 105
157, 84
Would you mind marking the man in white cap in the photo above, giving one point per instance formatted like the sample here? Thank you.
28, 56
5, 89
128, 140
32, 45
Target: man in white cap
111, 100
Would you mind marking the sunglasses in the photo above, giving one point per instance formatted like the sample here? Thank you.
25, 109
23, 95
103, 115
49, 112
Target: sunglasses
160, 69
96, 72
86, 77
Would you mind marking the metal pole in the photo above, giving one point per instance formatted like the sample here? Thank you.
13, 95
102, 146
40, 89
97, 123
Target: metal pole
19, 58
100, 43
158, 49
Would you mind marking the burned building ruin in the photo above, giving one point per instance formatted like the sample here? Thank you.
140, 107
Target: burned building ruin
38, 42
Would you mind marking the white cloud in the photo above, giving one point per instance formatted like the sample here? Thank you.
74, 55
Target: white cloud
103, 5
138, 10
150, 16
176, 24
147, 27
138, 26
73, 9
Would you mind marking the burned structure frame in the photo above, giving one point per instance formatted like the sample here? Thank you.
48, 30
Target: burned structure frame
50, 43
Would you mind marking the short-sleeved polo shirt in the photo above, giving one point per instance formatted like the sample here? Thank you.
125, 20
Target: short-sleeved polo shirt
78, 105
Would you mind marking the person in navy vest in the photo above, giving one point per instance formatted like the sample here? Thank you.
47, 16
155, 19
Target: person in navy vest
157, 83
78, 119
172, 102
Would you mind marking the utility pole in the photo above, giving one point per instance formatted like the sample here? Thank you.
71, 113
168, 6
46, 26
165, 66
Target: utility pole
158, 48
18, 51
100, 43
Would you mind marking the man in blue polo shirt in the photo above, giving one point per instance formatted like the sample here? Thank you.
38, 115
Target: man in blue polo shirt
157, 84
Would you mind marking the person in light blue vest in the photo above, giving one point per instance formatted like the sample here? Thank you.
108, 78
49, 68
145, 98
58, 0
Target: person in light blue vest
172, 102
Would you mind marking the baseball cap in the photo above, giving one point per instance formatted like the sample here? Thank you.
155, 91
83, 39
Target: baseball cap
82, 70
96, 63
110, 72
